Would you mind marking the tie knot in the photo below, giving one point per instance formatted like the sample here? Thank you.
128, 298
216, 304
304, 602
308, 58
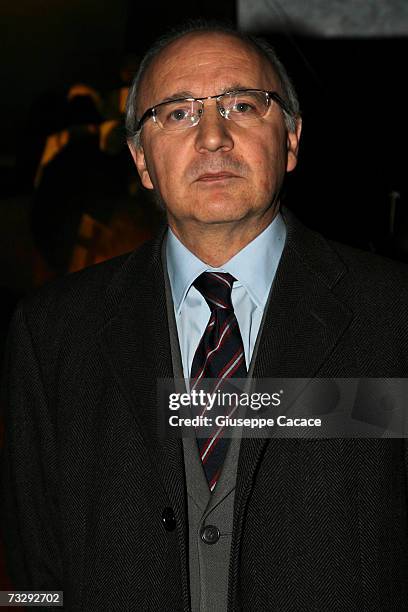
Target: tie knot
216, 287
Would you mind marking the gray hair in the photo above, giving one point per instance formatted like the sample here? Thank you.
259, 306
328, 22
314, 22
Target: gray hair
202, 26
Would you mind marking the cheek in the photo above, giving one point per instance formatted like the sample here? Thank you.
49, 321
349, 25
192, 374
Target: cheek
166, 170
269, 166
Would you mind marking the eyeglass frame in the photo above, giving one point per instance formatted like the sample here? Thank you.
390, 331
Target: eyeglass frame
271, 95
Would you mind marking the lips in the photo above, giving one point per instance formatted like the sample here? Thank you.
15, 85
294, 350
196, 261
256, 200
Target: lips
216, 176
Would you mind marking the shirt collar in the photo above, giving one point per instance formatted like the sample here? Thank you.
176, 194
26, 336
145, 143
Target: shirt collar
254, 266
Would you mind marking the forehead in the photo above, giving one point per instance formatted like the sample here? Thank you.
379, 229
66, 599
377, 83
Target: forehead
205, 64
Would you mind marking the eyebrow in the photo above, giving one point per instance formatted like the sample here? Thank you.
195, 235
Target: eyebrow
188, 94
176, 95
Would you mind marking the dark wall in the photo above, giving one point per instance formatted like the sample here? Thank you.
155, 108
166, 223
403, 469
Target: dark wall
352, 154
155, 18
50, 44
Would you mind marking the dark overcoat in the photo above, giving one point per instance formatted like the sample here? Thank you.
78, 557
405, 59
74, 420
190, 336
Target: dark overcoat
319, 525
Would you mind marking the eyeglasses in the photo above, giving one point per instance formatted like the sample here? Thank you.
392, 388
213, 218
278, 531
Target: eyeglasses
245, 107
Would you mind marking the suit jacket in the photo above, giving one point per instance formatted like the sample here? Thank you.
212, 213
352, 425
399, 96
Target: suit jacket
318, 524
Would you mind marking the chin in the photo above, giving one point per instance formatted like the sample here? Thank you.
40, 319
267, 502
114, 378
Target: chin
220, 212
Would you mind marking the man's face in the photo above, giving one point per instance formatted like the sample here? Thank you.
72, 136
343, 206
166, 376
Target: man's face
217, 171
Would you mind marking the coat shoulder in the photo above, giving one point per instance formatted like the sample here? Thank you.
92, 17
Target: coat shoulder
81, 302
340, 266
372, 275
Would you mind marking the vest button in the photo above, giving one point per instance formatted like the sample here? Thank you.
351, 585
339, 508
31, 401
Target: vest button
168, 519
210, 534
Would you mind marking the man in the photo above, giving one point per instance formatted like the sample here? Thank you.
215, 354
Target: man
96, 502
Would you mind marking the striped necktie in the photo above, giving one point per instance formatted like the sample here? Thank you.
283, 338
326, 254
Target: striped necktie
220, 355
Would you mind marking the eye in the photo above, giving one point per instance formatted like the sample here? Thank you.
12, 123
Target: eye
178, 114
243, 107
246, 106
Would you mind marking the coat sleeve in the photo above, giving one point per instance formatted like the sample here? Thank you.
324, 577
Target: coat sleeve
29, 502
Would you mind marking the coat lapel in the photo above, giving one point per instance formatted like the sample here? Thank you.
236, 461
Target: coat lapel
304, 323
305, 319
135, 342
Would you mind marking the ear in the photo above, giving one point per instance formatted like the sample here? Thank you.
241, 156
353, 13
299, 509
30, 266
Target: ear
293, 145
138, 155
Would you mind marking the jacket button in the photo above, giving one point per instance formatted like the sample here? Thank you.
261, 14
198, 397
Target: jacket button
210, 534
168, 519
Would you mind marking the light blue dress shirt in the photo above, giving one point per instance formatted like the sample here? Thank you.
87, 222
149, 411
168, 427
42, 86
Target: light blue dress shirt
254, 267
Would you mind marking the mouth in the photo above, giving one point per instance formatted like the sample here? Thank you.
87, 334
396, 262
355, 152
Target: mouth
211, 177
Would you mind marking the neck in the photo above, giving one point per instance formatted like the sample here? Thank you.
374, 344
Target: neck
217, 243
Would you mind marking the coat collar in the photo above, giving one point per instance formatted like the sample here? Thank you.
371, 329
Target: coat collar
305, 319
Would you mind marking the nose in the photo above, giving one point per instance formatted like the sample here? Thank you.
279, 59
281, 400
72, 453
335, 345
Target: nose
213, 131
